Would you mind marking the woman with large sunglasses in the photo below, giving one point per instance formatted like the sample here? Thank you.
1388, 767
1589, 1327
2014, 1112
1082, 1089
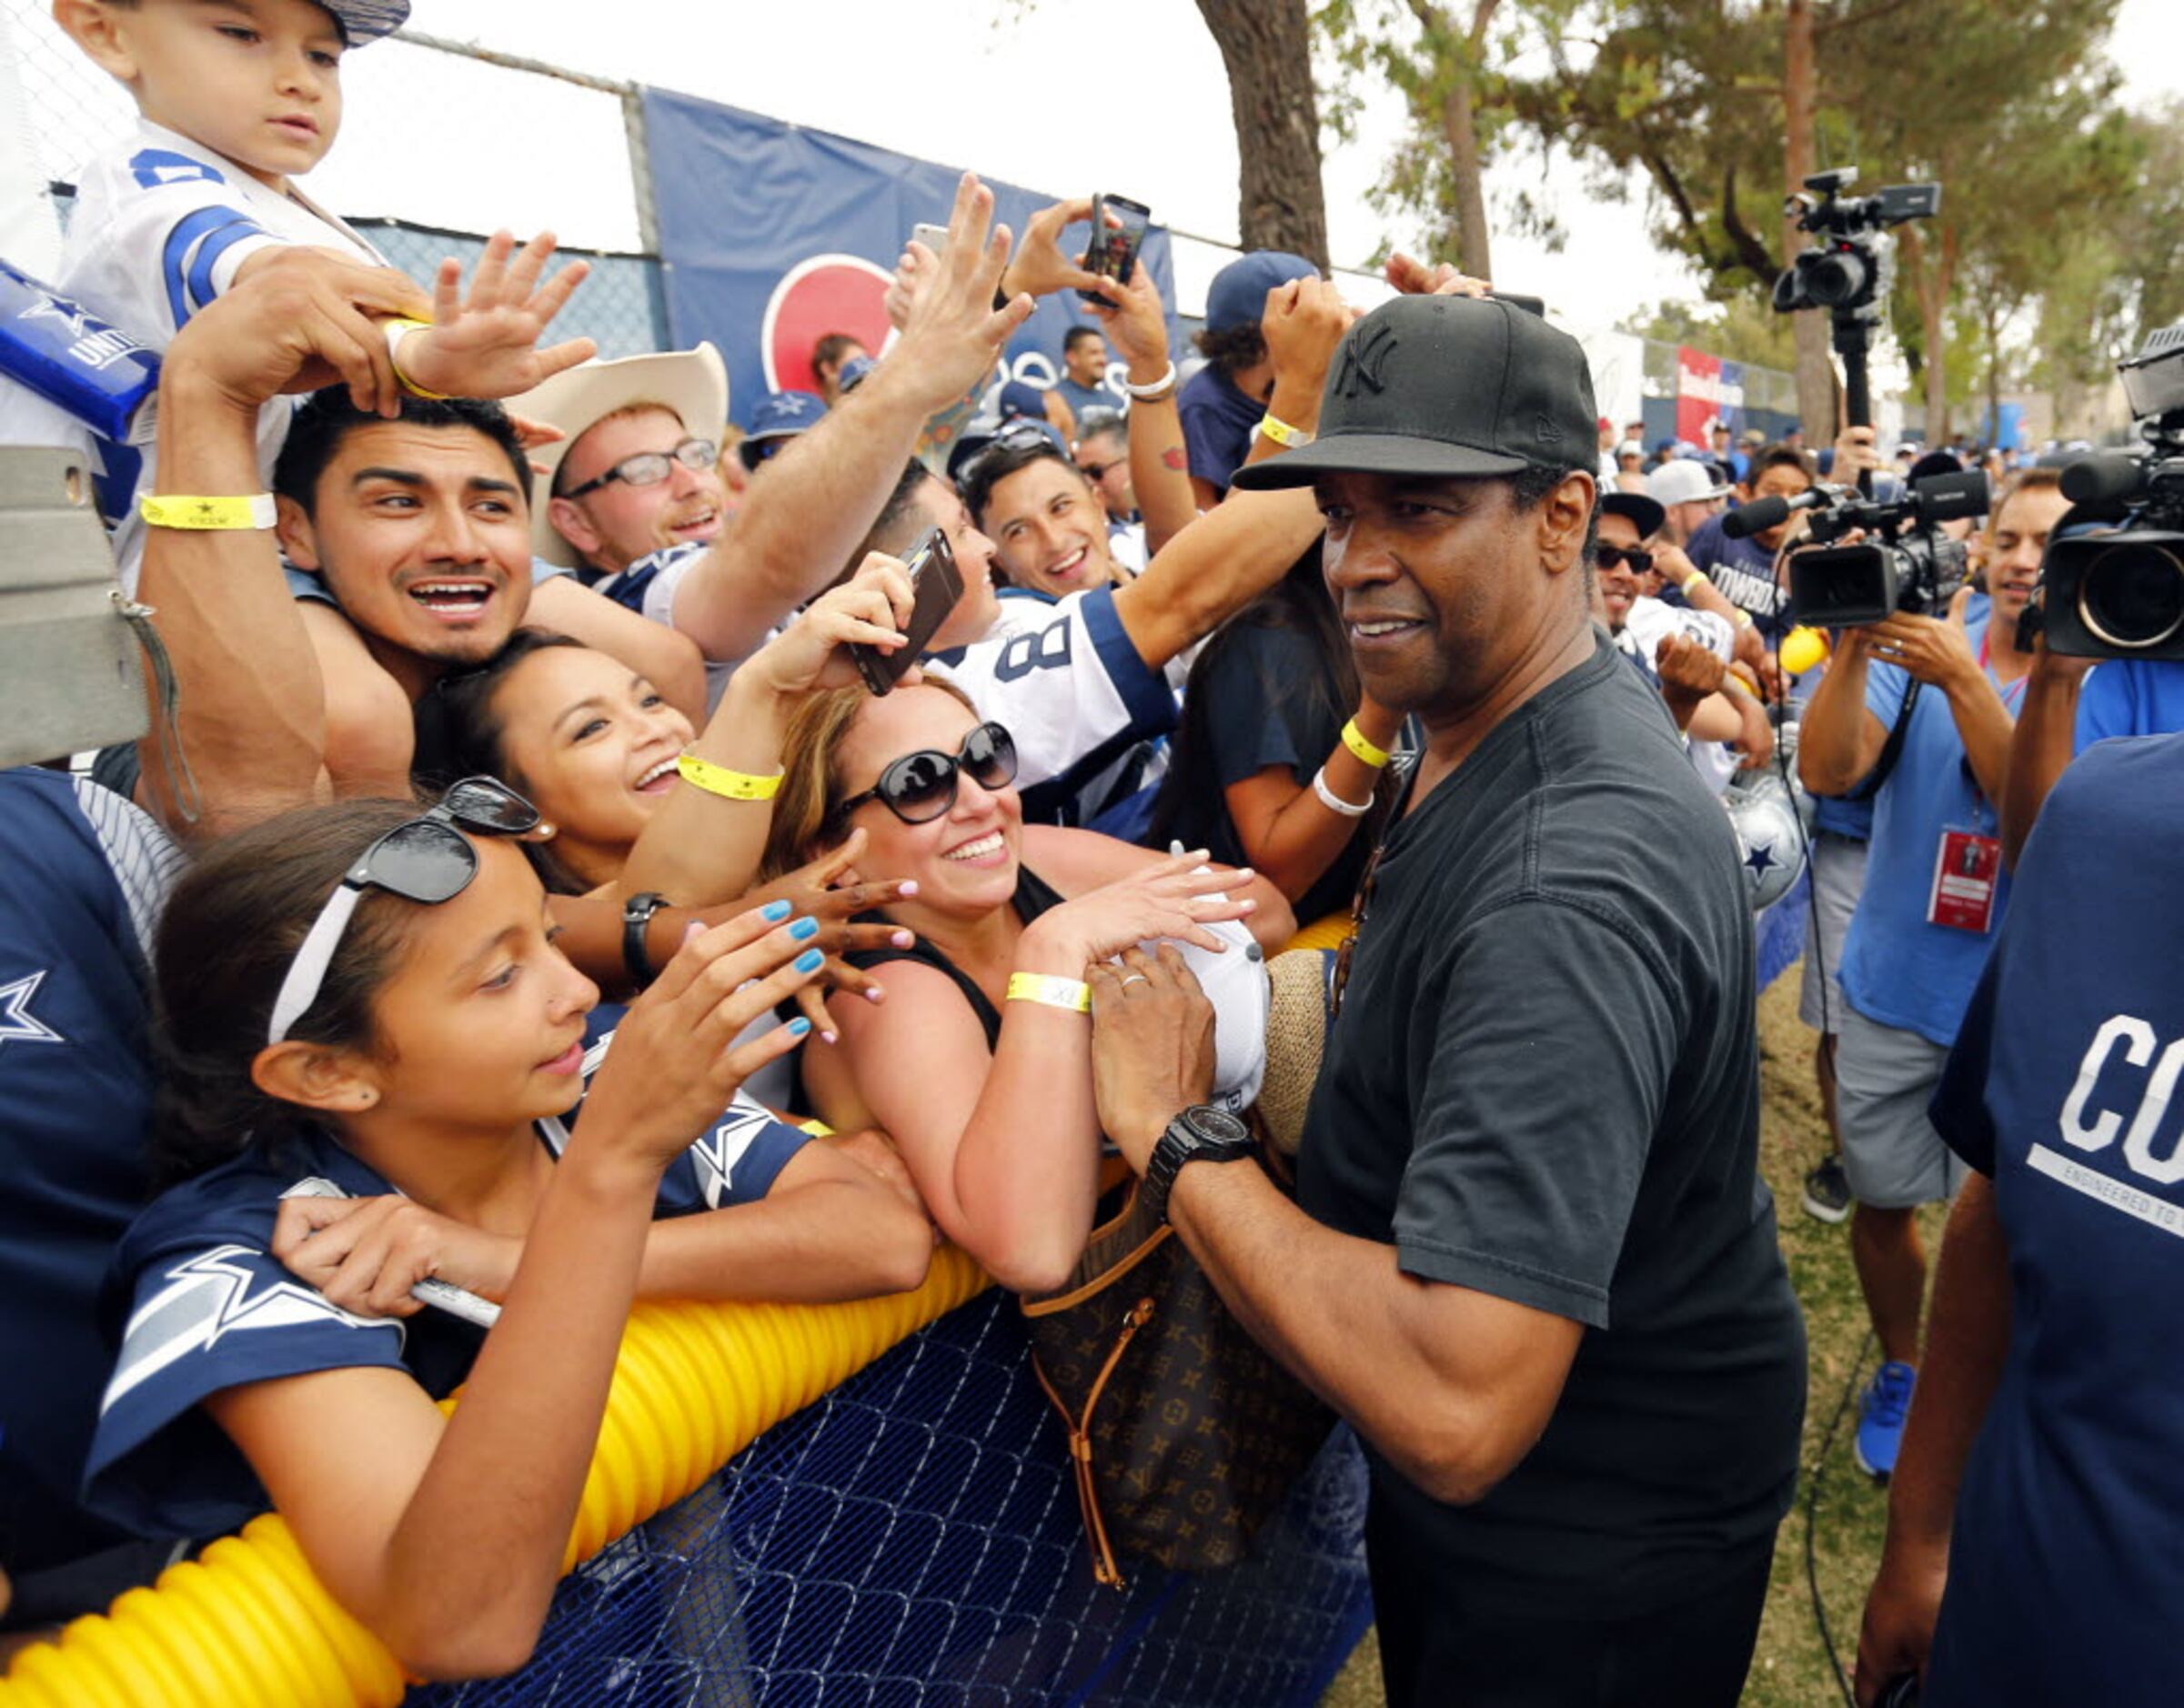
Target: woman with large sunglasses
978, 1066
372, 1051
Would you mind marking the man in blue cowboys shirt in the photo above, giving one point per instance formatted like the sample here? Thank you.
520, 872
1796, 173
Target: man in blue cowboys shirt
2035, 1502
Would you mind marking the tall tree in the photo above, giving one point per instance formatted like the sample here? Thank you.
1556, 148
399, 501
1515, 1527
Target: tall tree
1266, 46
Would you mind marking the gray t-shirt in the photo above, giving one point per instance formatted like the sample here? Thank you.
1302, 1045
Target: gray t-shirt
1544, 1084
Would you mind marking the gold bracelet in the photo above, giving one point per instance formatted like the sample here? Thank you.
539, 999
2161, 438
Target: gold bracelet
396, 330
1051, 993
1283, 434
717, 780
207, 515
1355, 739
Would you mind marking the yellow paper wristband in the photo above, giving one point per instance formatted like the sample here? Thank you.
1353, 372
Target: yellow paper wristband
1051, 993
396, 330
1744, 619
207, 515
1355, 739
1692, 579
717, 780
1283, 434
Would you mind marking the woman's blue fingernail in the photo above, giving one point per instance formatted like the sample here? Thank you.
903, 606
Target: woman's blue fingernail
774, 912
804, 928
797, 1027
811, 960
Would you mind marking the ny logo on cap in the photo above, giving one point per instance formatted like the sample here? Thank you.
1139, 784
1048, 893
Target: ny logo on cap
1363, 357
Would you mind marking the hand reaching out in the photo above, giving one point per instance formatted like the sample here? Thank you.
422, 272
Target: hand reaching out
1137, 325
951, 332
486, 345
1303, 325
1415, 278
869, 609
1040, 268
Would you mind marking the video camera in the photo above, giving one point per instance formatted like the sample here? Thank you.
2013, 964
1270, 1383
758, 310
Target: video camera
2112, 585
1908, 563
1849, 270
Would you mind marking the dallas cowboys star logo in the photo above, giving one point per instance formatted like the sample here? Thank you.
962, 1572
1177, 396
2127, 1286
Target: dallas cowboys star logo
1761, 858
18, 1023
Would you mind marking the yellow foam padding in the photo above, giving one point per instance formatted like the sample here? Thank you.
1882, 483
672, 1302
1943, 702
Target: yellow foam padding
248, 1626
1327, 933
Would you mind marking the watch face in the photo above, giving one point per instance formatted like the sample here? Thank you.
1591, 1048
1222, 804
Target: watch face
1217, 1126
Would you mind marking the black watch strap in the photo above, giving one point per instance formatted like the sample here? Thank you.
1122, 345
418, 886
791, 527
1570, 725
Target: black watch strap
1199, 1134
636, 914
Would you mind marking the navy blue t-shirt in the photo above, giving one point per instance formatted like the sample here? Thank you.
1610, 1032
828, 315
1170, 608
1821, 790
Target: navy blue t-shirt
207, 1307
87, 874
1743, 570
2067, 1570
1218, 422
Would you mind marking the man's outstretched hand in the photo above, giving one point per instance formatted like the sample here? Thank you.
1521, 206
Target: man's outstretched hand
486, 345
951, 334
298, 319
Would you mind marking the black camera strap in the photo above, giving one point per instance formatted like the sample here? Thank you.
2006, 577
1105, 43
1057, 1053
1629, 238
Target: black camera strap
1892, 749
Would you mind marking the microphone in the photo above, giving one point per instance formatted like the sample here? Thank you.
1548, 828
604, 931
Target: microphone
1762, 514
1950, 498
2102, 479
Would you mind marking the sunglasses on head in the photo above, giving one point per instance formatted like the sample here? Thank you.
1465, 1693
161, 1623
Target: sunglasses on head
1608, 556
920, 787
425, 860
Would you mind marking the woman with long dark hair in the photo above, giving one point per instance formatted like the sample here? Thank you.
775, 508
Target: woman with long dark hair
1279, 759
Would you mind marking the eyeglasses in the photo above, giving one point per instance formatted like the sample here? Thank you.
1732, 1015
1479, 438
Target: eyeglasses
425, 860
1608, 556
648, 468
1098, 471
920, 787
1361, 905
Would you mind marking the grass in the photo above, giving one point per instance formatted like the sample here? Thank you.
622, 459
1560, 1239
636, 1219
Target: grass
1790, 1669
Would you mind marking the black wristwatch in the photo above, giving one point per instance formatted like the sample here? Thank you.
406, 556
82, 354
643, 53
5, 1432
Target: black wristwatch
1202, 1134
636, 914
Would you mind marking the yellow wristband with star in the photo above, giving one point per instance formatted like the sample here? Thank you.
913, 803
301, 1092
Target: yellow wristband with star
1355, 739
717, 780
199, 516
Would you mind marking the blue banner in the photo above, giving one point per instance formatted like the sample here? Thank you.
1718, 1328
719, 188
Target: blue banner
771, 235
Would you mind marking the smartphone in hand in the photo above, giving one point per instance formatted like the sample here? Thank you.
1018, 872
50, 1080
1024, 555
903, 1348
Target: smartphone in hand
936, 586
1118, 233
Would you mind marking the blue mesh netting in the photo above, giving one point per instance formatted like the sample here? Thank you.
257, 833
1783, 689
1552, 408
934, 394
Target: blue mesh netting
913, 1539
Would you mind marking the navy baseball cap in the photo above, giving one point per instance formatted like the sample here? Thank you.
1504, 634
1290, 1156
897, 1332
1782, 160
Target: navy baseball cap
853, 372
1445, 386
1237, 297
364, 21
1019, 397
779, 416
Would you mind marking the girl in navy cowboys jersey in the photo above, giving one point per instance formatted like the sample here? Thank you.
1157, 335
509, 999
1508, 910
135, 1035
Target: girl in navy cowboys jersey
404, 1126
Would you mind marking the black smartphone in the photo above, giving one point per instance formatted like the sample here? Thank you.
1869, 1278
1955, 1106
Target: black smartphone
1118, 233
936, 584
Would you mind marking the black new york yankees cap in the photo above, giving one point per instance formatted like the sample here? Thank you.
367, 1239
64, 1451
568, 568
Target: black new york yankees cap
1445, 385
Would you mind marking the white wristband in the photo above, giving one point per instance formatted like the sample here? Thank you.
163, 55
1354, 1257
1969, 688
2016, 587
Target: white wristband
1334, 802
1157, 390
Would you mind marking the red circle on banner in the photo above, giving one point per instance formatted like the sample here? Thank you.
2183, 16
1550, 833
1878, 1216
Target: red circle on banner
828, 293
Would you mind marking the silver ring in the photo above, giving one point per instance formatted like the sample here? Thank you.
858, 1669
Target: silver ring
1137, 977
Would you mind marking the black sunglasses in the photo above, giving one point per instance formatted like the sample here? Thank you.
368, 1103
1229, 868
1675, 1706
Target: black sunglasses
920, 787
648, 468
425, 860
1608, 556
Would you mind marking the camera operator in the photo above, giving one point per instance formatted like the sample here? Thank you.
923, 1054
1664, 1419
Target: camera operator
2070, 705
2034, 1506
1934, 892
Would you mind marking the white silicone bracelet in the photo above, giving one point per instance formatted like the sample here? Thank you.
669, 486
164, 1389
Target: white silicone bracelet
1154, 393
1334, 802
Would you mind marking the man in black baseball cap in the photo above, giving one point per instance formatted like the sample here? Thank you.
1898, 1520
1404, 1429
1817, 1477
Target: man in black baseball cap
1530, 1258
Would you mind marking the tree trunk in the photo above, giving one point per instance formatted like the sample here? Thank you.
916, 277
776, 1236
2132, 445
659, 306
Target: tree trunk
1266, 46
1460, 121
1800, 97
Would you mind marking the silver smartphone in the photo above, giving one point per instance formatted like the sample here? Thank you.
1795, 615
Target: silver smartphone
934, 237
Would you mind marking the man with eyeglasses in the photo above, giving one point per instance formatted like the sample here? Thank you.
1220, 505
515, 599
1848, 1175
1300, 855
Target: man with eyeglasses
1101, 454
1531, 1259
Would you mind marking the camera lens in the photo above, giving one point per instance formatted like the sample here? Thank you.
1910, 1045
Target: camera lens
1836, 280
2132, 596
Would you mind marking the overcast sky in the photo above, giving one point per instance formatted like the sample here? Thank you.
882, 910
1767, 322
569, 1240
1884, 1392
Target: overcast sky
1130, 95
